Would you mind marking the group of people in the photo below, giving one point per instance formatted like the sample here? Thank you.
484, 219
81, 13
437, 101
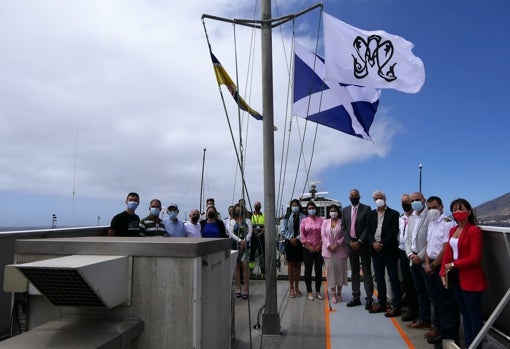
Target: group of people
431, 259
245, 229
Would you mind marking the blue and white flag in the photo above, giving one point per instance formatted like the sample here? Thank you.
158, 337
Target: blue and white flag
347, 108
370, 58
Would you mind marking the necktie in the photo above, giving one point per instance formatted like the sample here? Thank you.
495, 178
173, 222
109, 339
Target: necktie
353, 221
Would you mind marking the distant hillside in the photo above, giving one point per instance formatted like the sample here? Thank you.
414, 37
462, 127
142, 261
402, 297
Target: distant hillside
494, 210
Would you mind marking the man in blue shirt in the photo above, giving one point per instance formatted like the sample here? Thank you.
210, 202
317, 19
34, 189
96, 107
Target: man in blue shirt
174, 227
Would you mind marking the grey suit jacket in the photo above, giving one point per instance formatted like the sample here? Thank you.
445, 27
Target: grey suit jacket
360, 226
421, 236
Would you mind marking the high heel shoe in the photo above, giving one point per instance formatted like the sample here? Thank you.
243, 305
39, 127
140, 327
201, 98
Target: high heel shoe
292, 293
333, 298
297, 291
245, 294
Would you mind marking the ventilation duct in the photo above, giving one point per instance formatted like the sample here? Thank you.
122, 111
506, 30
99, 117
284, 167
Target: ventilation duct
81, 280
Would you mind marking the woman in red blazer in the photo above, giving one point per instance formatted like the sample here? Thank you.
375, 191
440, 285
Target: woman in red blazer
463, 255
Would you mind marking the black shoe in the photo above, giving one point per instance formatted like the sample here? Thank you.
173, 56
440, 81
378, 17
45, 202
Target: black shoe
408, 317
354, 302
393, 312
434, 340
369, 304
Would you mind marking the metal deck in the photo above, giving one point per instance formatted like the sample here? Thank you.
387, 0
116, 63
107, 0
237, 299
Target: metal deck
310, 324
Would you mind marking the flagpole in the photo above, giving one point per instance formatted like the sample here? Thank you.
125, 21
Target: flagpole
270, 318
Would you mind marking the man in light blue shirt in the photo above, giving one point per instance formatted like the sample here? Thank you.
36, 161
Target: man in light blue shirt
173, 226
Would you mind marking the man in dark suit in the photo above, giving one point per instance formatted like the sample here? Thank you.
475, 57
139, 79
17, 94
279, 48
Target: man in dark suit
355, 235
382, 236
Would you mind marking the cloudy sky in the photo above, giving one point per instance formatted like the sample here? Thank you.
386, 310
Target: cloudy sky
100, 98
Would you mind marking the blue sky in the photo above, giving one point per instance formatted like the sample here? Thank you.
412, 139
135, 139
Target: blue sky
456, 126
101, 99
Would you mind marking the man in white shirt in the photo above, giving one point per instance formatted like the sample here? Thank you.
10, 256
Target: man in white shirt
416, 243
193, 229
407, 279
446, 313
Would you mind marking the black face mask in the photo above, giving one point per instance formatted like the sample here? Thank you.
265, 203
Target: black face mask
211, 215
257, 208
354, 201
406, 207
194, 219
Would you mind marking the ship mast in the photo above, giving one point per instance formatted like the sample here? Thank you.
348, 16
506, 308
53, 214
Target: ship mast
270, 318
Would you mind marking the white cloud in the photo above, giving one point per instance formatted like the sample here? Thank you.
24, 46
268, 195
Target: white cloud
131, 84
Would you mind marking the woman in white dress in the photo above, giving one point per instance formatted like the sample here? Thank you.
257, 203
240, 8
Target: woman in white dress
335, 252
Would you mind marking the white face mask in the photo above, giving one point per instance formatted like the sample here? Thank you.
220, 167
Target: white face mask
380, 202
434, 213
333, 214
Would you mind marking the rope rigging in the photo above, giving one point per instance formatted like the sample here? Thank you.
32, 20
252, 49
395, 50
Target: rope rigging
241, 144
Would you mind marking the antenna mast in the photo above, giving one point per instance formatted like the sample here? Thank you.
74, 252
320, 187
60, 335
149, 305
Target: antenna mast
202, 183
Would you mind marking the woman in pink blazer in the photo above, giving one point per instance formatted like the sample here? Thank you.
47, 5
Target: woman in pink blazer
463, 258
335, 252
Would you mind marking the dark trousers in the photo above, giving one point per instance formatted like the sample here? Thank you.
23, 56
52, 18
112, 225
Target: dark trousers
420, 284
257, 243
407, 279
446, 312
363, 254
384, 261
470, 305
315, 261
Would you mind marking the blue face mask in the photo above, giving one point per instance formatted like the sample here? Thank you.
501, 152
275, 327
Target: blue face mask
417, 205
132, 205
172, 214
155, 211
294, 209
311, 212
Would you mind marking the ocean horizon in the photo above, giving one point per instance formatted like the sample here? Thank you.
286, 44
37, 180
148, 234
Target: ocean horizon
37, 227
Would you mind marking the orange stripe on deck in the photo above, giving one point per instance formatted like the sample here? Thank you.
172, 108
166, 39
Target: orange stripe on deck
399, 329
328, 327
402, 333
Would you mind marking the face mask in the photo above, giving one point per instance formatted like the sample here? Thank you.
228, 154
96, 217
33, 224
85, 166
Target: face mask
417, 205
211, 215
460, 215
354, 201
257, 208
194, 219
434, 213
132, 205
333, 214
294, 209
311, 212
172, 214
406, 207
155, 211
380, 202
